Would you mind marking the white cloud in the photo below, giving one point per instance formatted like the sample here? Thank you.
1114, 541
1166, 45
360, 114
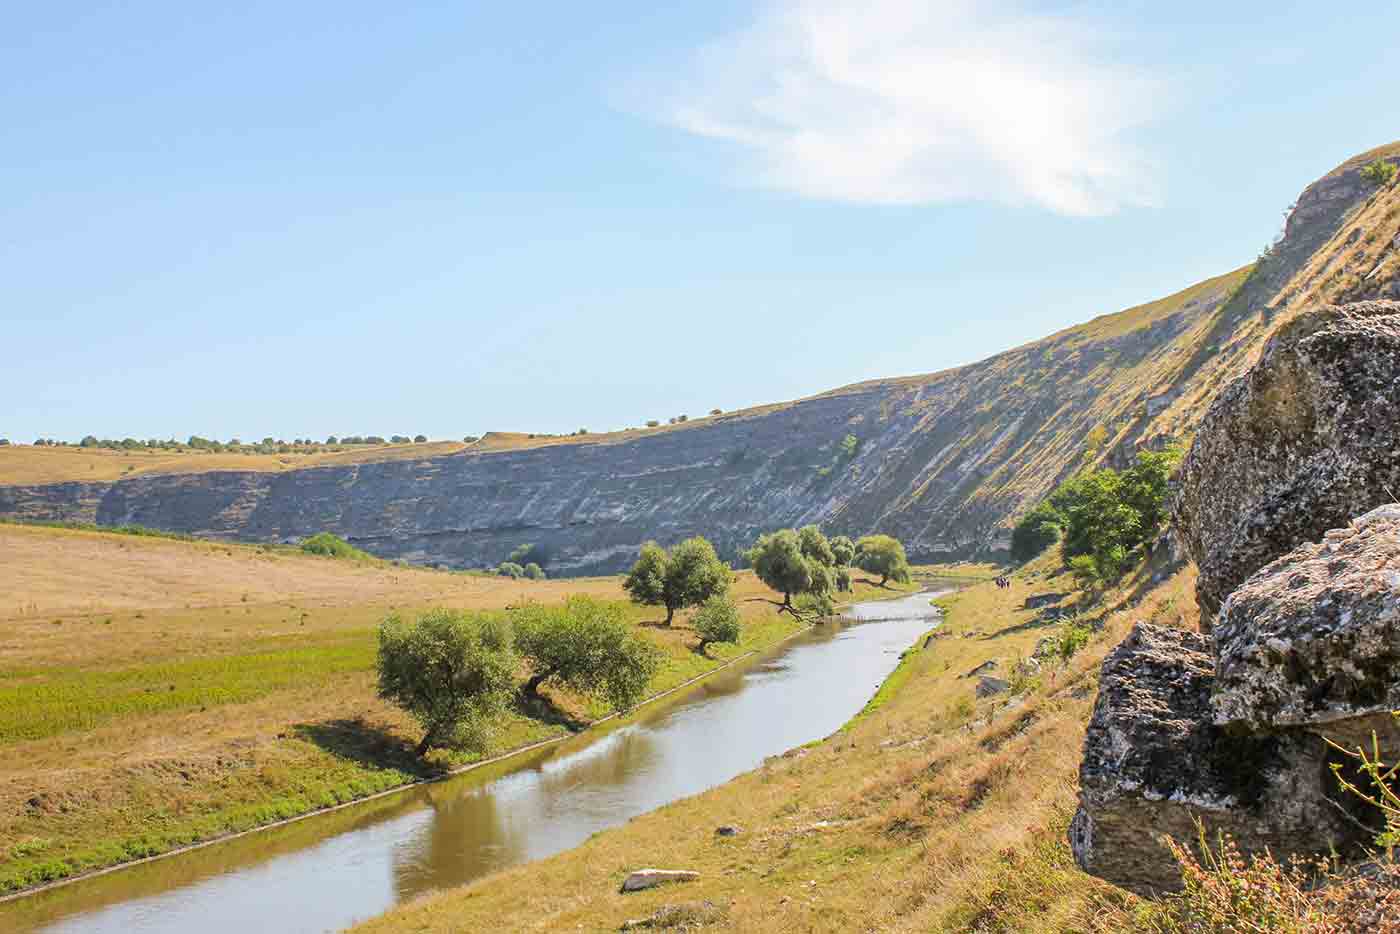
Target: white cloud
905, 102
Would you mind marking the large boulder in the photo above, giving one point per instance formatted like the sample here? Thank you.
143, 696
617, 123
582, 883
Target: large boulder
1154, 763
1313, 639
1300, 444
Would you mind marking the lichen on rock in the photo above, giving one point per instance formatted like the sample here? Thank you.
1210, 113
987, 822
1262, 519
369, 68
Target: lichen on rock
1312, 640
1303, 442
1155, 763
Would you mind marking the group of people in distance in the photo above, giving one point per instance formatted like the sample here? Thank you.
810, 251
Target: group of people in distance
1003, 582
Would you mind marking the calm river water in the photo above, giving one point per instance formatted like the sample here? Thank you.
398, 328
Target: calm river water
327, 872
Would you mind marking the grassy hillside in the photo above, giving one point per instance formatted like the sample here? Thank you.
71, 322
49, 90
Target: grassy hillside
155, 692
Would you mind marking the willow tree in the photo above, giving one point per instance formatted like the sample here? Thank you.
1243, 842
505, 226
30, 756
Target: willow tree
687, 575
883, 555
800, 565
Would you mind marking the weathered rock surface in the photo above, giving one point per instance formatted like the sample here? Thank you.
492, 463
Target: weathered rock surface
988, 686
1312, 640
1300, 444
1154, 763
649, 878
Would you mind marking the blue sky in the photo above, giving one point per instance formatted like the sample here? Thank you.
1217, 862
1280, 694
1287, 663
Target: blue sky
302, 219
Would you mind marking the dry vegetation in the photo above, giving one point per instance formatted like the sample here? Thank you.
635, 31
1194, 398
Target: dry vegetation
157, 692
930, 811
25, 465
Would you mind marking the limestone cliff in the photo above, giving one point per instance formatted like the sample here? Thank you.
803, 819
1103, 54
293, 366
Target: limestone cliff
945, 461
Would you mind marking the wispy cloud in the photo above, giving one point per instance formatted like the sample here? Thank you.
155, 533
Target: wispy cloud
907, 102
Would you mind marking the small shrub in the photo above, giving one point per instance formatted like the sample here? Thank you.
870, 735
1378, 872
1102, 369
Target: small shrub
717, 620
533, 572
1379, 173
332, 546
510, 569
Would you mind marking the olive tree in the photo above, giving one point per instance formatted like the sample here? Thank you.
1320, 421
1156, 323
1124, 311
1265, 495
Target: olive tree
717, 620
453, 672
687, 575
587, 646
883, 555
797, 564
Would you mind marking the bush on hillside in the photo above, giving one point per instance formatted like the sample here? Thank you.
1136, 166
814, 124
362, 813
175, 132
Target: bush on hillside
510, 569
1038, 530
533, 571
1379, 173
332, 546
453, 672
587, 646
687, 575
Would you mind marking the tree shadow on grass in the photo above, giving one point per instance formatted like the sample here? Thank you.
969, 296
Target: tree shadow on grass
358, 741
866, 580
545, 710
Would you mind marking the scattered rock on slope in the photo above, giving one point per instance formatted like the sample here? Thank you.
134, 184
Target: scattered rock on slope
1313, 639
1154, 763
647, 878
1300, 444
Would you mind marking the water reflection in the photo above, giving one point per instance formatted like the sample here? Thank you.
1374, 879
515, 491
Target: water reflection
326, 873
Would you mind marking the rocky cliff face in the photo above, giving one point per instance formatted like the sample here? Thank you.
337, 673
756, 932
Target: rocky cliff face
944, 461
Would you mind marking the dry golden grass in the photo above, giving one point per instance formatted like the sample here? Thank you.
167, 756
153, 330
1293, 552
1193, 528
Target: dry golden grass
23, 464
160, 692
932, 812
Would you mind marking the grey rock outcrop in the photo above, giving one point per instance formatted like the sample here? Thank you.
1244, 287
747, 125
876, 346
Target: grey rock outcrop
1155, 763
1303, 442
1313, 639
650, 878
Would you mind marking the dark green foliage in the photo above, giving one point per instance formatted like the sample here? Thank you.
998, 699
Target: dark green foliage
717, 620
1038, 530
1105, 514
533, 572
848, 447
883, 555
843, 579
843, 549
419, 439
687, 575
1379, 173
510, 569
524, 554
588, 646
332, 546
453, 672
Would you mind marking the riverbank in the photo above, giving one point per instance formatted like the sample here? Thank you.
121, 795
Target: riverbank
154, 723
931, 810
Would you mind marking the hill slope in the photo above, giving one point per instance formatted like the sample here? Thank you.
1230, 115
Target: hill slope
945, 461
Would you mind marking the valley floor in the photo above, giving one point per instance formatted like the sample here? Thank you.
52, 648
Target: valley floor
931, 810
157, 693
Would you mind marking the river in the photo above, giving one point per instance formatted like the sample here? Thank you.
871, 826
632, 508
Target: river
332, 870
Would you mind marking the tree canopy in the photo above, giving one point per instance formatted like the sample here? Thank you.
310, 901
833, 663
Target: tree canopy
883, 555
452, 671
796, 564
588, 646
687, 575
844, 549
716, 621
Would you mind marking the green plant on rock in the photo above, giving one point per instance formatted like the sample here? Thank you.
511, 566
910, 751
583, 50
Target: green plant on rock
1379, 173
451, 671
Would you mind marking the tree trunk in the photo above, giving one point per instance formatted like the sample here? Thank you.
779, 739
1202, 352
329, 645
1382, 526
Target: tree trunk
670, 613
532, 686
422, 749
703, 643
883, 578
